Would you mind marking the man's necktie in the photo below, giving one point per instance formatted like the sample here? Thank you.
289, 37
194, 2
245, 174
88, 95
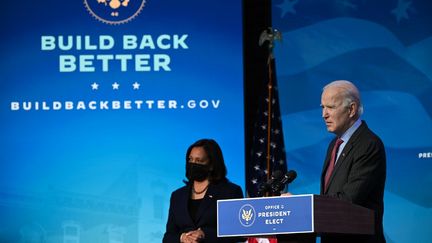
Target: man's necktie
332, 162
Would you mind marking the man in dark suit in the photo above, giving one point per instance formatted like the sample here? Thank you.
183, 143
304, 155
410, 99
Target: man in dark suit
355, 166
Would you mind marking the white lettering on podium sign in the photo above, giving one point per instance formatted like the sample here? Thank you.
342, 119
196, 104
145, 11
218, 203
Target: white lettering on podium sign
265, 216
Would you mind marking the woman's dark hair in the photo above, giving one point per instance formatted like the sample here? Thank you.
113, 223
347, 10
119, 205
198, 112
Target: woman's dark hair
216, 161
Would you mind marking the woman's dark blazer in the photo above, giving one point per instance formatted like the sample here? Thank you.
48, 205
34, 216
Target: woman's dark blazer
179, 220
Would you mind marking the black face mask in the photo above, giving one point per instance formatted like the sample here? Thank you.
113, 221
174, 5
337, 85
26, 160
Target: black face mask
197, 172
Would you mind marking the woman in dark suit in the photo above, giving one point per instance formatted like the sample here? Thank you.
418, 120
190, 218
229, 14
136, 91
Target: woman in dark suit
192, 212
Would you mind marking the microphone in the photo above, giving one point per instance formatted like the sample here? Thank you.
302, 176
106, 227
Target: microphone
278, 185
267, 186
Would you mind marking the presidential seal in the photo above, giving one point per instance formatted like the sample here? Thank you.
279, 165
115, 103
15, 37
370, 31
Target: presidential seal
247, 215
114, 11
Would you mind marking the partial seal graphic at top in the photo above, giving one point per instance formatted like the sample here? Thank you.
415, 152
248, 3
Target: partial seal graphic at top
114, 11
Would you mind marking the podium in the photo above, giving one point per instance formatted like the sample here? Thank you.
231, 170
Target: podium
292, 215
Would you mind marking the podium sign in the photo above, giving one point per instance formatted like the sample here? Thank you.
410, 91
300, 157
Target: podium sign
265, 216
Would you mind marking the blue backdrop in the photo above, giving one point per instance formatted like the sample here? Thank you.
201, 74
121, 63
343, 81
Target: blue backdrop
385, 48
99, 102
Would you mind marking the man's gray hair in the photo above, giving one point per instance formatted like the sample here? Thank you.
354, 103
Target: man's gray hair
350, 93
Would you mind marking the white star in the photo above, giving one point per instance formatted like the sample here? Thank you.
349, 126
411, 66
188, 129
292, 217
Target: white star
256, 167
401, 10
254, 181
287, 7
115, 85
136, 85
94, 86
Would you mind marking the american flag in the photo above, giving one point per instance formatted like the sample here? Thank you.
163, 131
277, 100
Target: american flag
266, 145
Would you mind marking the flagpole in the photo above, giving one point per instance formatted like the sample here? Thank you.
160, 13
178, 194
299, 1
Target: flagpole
269, 35
270, 112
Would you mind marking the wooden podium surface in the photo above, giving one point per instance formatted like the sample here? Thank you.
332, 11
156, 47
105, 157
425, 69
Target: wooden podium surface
334, 216
337, 216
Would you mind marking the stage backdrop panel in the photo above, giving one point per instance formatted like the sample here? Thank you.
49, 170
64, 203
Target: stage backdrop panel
385, 48
100, 100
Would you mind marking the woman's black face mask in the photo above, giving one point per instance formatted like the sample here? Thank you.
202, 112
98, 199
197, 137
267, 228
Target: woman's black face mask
197, 172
